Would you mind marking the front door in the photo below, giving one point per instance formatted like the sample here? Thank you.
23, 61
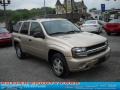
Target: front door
37, 44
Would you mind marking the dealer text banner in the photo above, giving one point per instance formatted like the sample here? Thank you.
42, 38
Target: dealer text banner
59, 85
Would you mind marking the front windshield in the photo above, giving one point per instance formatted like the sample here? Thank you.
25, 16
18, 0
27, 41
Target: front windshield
59, 27
3, 30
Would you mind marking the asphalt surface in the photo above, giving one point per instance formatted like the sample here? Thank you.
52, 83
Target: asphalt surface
34, 69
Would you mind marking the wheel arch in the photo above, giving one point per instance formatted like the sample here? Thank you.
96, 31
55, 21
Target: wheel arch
15, 42
52, 52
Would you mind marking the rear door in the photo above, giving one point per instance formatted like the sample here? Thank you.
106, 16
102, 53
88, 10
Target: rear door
23, 36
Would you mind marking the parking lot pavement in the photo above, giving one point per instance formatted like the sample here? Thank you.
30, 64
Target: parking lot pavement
34, 69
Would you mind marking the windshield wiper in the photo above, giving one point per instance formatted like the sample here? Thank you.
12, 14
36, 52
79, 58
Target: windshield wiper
69, 32
57, 33
72, 32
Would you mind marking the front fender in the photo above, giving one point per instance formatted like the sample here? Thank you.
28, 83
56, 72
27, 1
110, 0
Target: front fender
66, 51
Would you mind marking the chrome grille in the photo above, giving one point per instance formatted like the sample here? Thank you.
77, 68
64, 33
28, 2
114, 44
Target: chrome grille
96, 49
96, 46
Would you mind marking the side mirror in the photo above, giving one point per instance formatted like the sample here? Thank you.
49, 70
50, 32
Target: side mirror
38, 35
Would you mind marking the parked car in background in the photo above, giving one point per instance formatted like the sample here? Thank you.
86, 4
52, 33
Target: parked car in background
2, 24
92, 26
61, 43
5, 37
112, 27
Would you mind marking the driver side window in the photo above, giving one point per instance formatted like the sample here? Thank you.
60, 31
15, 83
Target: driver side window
35, 28
25, 28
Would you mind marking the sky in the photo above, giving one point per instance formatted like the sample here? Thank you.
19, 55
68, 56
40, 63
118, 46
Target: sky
29, 4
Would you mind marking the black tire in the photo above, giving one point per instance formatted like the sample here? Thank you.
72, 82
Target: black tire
63, 72
98, 33
20, 54
108, 33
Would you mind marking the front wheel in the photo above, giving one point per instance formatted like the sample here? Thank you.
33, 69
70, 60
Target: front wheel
59, 65
19, 52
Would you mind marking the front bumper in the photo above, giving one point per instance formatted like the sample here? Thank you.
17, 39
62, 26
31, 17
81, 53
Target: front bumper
87, 62
114, 31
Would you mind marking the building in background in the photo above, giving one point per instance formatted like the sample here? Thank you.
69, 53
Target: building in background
70, 6
111, 14
106, 16
96, 14
59, 7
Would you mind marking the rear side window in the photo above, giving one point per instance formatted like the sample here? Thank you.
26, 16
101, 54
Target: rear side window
25, 27
17, 27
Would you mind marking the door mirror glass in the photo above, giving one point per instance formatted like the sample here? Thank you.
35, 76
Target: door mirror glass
38, 35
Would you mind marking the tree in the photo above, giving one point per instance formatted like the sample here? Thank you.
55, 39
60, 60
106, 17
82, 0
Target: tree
48, 10
23, 14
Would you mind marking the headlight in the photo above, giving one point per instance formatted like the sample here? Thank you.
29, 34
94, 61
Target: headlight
106, 43
79, 52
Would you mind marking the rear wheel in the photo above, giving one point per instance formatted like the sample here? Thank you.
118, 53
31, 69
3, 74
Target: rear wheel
19, 52
59, 65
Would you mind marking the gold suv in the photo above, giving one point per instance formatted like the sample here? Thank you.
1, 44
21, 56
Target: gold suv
61, 43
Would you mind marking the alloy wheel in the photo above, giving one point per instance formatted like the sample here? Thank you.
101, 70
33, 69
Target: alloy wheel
58, 66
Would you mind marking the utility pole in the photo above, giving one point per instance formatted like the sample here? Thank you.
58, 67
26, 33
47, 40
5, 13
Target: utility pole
45, 11
65, 7
72, 9
4, 4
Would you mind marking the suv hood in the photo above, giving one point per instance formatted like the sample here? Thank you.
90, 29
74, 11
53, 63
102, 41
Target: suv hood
83, 39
